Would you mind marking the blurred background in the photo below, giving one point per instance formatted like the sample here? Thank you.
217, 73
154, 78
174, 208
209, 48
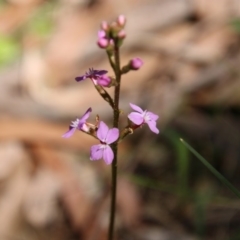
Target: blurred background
191, 77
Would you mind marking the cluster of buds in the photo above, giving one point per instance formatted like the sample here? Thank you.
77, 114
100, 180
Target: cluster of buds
111, 33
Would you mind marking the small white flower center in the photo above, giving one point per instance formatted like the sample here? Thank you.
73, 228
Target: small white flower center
74, 124
146, 116
103, 146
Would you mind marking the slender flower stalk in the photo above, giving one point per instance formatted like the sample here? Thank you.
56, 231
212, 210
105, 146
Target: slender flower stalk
110, 38
116, 112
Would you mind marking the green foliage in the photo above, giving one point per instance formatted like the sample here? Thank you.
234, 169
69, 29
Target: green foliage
9, 49
41, 23
235, 24
2, 3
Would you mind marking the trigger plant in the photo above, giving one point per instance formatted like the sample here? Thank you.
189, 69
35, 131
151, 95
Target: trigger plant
110, 38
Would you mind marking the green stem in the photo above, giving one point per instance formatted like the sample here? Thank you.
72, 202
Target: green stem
116, 112
109, 54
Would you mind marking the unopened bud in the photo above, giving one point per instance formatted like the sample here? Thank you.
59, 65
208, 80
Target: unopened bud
104, 81
121, 20
101, 34
122, 34
136, 63
102, 42
104, 26
111, 42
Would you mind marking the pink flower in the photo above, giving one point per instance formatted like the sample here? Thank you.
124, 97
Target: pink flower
79, 123
97, 76
141, 117
106, 137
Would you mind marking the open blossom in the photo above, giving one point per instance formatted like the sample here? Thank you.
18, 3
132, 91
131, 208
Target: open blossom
79, 123
106, 137
141, 117
97, 76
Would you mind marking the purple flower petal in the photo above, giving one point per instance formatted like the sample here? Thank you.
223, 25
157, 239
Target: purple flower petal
91, 74
78, 79
81, 121
99, 72
102, 131
86, 115
112, 135
152, 116
136, 118
69, 133
152, 126
108, 155
136, 108
101, 34
96, 152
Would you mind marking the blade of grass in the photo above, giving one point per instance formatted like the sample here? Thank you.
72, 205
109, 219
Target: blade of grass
183, 170
212, 169
182, 164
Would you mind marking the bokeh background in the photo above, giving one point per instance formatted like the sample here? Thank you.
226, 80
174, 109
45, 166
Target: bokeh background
48, 187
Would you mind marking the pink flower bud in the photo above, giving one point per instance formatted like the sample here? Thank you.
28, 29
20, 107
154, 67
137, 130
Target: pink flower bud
121, 20
111, 42
104, 81
136, 63
104, 25
122, 34
101, 34
102, 42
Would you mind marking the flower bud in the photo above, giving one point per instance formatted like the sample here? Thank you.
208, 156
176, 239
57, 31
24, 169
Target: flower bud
111, 42
122, 34
104, 26
102, 42
121, 20
136, 63
104, 81
101, 34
